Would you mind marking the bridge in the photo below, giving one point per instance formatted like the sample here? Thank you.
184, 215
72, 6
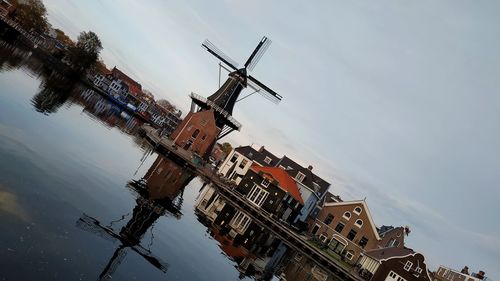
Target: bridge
35, 40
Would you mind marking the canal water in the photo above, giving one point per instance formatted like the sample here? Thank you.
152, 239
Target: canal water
84, 197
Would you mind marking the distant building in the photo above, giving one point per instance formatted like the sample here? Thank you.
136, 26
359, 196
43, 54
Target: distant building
447, 274
392, 236
347, 228
393, 264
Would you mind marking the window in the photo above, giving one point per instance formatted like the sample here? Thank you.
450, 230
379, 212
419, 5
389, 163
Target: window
349, 255
394, 277
243, 163
339, 227
328, 220
315, 229
347, 215
408, 265
357, 210
240, 222
268, 160
195, 133
257, 195
265, 182
362, 243
418, 270
300, 177
204, 122
323, 238
359, 223
352, 234
298, 257
234, 158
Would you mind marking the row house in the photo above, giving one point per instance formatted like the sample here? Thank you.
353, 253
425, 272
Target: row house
273, 190
393, 264
347, 228
311, 187
447, 274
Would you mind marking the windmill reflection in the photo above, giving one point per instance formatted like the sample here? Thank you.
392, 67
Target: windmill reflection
159, 193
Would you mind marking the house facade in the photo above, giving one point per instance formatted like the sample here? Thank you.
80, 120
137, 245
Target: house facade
392, 236
393, 264
272, 190
197, 132
447, 274
347, 228
311, 187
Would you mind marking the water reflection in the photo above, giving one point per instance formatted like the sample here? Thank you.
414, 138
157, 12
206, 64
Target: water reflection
159, 193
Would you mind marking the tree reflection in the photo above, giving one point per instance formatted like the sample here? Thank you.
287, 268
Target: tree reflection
54, 91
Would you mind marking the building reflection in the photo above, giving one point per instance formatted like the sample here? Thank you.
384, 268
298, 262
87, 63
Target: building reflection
256, 251
159, 193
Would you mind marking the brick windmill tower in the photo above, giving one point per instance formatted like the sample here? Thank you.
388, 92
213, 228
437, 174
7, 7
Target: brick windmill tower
210, 119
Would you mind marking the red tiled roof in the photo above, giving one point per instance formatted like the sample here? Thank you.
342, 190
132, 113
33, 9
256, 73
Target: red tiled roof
227, 246
120, 75
285, 181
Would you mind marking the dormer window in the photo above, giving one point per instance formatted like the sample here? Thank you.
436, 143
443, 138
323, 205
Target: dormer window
265, 183
357, 210
268, 160
347, 215
418, 270
359, 223
300, 177
408, 265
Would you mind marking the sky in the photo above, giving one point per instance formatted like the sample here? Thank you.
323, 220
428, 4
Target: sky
393, 101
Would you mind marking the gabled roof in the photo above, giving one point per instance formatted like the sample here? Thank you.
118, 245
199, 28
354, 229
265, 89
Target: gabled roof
124, 77
285, 182
286, 162
365, 207
257, 156
389, 253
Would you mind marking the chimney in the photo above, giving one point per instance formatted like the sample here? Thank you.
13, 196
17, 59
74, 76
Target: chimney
465, 270
310, 168
480, 274
261, 149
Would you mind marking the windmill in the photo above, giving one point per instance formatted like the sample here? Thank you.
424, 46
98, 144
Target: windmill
157, 195
224, 99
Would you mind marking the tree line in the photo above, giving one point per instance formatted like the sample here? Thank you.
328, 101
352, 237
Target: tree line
82, 54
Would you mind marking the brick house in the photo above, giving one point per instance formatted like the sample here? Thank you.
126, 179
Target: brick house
197, 132
392, 236
393, 264
447, 274
272, 190
312, 188
347, 228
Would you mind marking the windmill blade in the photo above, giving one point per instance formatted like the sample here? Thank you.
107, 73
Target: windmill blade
94, 226
219, 54
156, 262
113, 264
258, 53
263, 90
